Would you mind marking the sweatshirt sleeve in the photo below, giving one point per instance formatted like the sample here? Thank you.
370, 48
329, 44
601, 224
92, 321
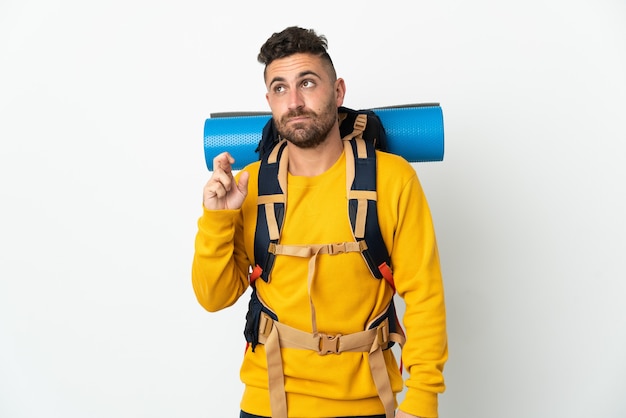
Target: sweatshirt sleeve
418, 278
220, 266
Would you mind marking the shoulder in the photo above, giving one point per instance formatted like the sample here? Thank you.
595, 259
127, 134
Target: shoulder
394, 166
396, 177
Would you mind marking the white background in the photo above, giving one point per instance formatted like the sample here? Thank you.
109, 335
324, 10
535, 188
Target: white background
102, 106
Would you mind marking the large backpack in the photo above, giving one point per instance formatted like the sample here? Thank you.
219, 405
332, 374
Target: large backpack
355, 124
362, 133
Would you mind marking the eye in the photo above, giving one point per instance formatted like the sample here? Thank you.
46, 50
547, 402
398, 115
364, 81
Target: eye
307, 84
279, 88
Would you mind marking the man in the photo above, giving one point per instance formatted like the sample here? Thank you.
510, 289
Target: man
323, 294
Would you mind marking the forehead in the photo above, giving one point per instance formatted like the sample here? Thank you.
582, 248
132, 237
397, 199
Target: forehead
295, 66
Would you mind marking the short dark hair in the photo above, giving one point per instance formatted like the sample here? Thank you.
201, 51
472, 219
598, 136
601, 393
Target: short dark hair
294, 40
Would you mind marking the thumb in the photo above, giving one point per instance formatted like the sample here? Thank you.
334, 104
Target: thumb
242, 185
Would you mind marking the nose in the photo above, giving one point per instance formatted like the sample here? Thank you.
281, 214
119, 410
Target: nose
296, 100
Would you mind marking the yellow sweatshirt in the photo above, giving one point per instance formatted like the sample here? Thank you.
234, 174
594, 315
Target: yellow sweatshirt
344, 293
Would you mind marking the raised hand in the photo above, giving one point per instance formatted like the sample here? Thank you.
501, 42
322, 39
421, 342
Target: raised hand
222, 191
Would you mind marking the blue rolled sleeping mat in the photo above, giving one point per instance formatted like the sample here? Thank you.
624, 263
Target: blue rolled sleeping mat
414, 132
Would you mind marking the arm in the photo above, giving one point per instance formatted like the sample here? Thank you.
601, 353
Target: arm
418, 281
220, 267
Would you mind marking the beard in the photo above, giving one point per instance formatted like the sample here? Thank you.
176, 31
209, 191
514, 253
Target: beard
311, 133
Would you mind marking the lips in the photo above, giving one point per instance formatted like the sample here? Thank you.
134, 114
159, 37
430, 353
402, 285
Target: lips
297, 119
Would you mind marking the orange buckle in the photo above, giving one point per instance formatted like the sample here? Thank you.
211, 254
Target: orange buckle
385, 270
328, 344
256, 273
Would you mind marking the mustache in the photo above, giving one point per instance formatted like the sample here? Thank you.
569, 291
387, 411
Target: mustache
297, 113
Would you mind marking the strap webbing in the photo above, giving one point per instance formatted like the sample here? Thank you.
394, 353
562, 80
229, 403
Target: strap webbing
310, 250
276, 376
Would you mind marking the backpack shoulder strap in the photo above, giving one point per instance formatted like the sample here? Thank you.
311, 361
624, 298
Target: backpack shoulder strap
271, 206
362, 198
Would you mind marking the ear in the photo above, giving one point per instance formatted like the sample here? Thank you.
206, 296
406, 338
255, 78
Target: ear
340, 91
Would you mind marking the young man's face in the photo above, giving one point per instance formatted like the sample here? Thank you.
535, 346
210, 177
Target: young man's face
304, 98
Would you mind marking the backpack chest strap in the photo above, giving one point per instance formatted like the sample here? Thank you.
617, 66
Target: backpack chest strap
308, 251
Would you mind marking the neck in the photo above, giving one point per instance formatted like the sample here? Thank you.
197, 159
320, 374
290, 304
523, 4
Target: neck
311, 162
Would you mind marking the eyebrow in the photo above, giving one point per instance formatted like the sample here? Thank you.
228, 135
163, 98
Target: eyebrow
303, 74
